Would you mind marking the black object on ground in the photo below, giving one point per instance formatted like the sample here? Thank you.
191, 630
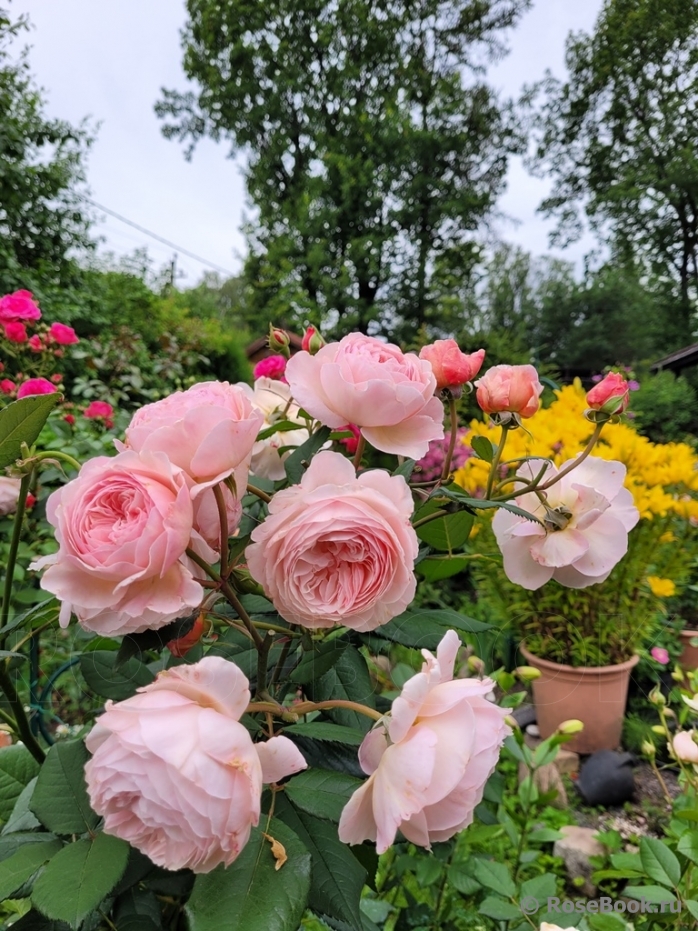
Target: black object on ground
606, 778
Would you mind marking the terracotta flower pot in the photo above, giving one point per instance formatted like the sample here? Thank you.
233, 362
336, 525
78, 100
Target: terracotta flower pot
688, 660
595, 695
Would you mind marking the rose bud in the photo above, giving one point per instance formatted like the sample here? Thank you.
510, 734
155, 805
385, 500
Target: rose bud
452, 368
312, 341
279, 341
511, 389
610, 396
181, 646
16, 332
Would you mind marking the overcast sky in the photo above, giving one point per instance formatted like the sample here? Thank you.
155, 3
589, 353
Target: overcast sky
108, 59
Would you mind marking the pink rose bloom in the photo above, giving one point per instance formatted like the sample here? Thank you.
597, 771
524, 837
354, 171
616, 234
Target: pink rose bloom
16, 332
36, 386
337, 549
388, 394
18, 306
270, 367
122, 527
584, 530
509, 388
612, 395
9, 495
660, 654
35, 343
273, 399
7, 386
208, 430
428, 761
174, 773
62, 334
452, 368
684, 747
97, 409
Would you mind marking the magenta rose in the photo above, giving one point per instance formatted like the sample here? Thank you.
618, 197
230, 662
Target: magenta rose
388, 394
337, 549
35, 386
270, 367
16, 332
428, 761
208, 430
62, 334
174, 773
122, 527
98, 409
18, 306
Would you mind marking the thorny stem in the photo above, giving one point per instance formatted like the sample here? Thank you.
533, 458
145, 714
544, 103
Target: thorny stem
253, 490
307, 706
262, 660
660, 780
12, 555
452, 440
360, 447
223, 517
280, 664
495, 462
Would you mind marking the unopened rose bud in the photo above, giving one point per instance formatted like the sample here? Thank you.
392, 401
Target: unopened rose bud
512, 389
657, 698
476, 665
573, 726
677, 674
312, 340
279, 341
527, 673
452, 368
610, 396
181, 646
648, 748
658, 729
30, 502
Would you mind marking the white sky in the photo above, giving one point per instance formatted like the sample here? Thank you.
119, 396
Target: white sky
108, 59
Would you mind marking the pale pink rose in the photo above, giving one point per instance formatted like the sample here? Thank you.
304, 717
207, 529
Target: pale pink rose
452, 368
584, 535
208, 430
270, 367
122, 527
337, 549
684, 747
63, 334
612, 395
35, 386
174, 773
18, 306
428, 761
388, 394
509, 388
273, 399
9, 495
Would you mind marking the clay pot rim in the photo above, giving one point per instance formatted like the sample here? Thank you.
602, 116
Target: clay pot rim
689, 632
597, 670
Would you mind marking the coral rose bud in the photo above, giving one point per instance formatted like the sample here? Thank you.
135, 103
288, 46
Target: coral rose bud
16, 332
36, 386
271, 367
452, 368
18, 306
279, 341
511, 389
312, 341
182, 645
62, 334
7, 386
610, 396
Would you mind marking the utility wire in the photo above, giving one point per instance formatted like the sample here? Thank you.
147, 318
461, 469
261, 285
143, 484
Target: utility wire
167, 242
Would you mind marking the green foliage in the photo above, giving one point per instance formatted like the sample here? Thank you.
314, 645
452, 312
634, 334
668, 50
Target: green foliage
665, 408
22, 422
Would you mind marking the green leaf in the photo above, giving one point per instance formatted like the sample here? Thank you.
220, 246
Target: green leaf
17, 768
21, 818
253, 895
688, 845
654, 894
448, 533
138, 644
283, 426
22, 865
110, 678
493, 875
692, 906
540, 888
21, 422
482, 504
659, 862
436, 568
316, 662
78, 877
406, 469
544, 836
348, 679
321, 792
424, 628
294, 464
499, 909
336, 877
40, 614
606, 923
325, 730
483, 448
60, 798
35, 921
10, 843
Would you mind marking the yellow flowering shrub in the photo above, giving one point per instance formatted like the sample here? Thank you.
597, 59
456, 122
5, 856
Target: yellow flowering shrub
608, 621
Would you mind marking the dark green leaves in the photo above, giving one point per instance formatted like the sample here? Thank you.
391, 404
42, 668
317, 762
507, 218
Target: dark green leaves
294, 464
17, 768
321, 793
659, 862
110, 678
60, 799
347, 679
418, 628
483, 448
21, 422
78, 877
22, 865
252, 894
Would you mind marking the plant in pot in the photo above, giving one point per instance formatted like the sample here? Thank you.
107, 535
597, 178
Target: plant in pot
584, 619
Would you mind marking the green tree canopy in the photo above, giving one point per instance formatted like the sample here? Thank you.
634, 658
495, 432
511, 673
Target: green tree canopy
373, 147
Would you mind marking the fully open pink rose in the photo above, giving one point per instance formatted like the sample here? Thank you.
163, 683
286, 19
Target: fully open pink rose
509, 388
388, 394
270, 367
208, 430
63, 334
428, 761
273, 399
35, 386
337, 549
452, 368
18, 306
611, 395
684, 747
175, 774
9, 495
122, 527
583, 531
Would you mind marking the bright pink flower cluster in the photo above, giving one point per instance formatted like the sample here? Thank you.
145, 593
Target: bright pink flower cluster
431, 466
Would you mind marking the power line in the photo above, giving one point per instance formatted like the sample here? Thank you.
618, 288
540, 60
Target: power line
172, 245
